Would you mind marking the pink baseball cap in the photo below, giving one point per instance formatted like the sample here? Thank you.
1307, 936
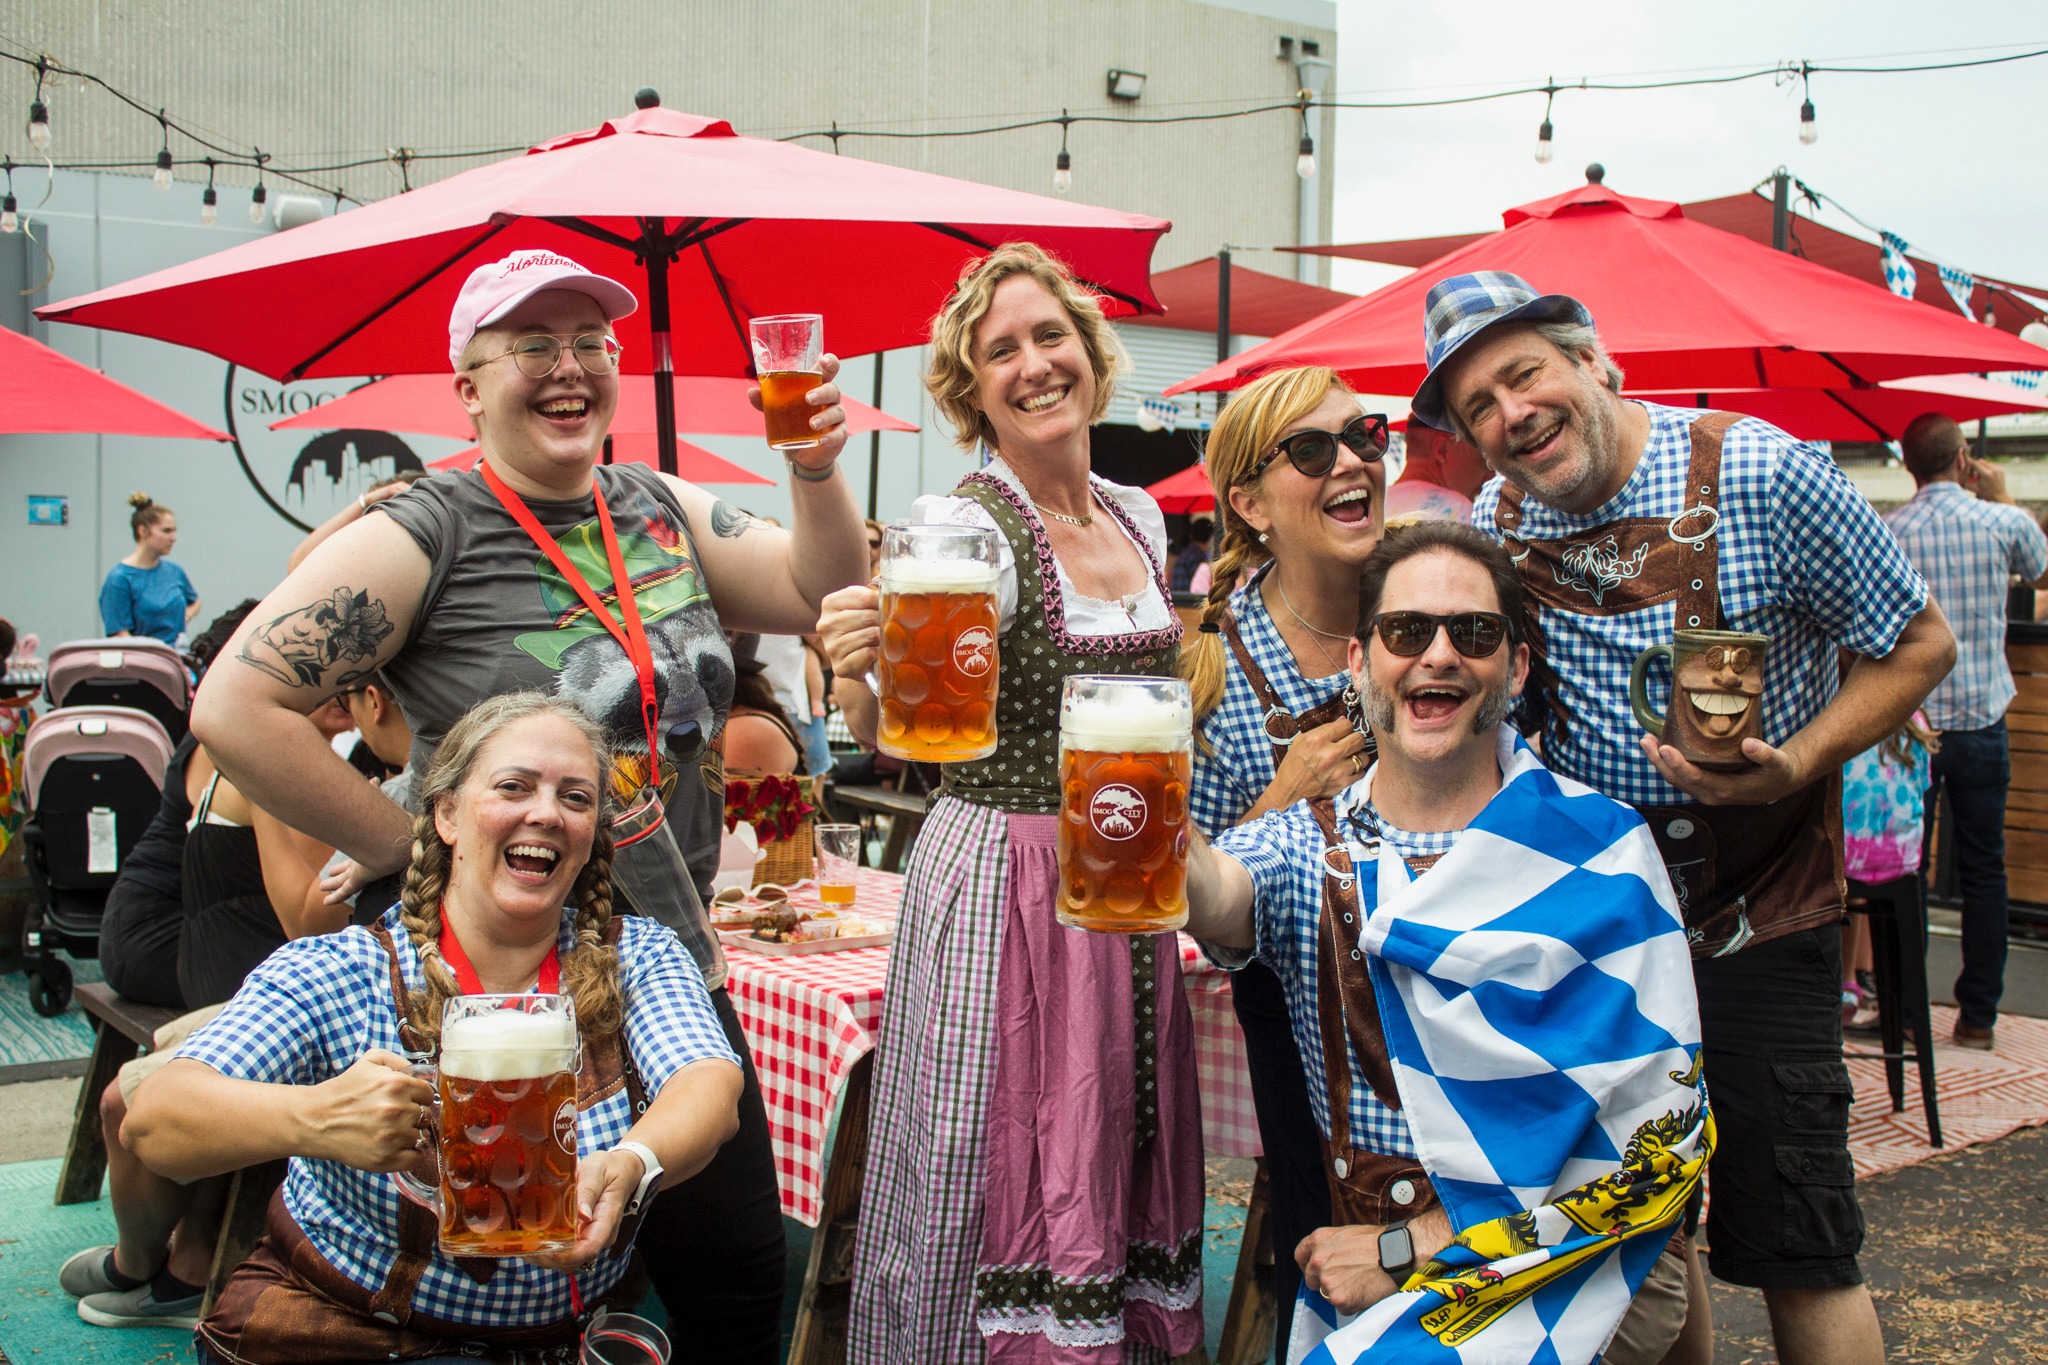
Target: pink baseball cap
493, 290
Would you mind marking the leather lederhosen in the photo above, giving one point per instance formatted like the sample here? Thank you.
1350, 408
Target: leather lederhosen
1363, 1184
288, 1303
1742, 874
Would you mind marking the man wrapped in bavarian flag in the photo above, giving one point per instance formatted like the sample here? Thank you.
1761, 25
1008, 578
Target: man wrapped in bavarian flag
1489, 980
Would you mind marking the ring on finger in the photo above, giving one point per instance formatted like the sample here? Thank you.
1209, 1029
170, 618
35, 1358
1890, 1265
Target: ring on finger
1357, 769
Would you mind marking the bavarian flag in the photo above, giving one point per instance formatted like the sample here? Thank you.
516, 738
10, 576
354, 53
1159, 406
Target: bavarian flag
1536, 989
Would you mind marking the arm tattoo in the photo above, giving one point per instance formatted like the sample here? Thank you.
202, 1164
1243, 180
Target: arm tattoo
299, 647
728, 521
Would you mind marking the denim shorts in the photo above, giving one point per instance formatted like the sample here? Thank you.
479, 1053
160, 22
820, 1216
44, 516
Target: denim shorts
1781, 1191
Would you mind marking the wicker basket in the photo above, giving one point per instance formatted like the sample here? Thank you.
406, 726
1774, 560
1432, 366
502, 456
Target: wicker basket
786, 861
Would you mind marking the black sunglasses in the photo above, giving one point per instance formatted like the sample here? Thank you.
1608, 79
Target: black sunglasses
1314, 453
1474, 634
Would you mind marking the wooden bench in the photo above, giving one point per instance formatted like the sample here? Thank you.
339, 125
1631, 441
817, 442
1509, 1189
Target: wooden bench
126, 1029
906, 812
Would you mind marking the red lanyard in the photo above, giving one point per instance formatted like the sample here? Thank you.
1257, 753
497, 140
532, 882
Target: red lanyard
632, 637
550, 982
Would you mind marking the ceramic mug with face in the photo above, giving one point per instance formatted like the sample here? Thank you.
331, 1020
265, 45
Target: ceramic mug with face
1717, 683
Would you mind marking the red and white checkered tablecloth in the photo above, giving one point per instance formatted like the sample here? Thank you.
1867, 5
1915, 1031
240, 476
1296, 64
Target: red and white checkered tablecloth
810, 1018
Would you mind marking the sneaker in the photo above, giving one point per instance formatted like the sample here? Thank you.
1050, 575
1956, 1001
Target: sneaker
1865, 1020
92, 1272
140, 1307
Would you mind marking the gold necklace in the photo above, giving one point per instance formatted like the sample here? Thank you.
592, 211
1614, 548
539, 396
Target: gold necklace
1311, 626
1085, 519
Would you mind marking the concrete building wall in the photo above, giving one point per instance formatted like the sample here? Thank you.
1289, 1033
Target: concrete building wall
333, 82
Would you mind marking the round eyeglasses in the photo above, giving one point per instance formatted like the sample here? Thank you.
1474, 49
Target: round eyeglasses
539, 354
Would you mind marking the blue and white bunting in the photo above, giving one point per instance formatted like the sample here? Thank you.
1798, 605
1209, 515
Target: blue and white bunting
1899, 275
1536, 990
1960, 285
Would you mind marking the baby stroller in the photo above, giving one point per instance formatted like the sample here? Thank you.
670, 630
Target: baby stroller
94, 776
133, 671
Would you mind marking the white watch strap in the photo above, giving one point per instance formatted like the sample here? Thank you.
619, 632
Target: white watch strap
650, 1180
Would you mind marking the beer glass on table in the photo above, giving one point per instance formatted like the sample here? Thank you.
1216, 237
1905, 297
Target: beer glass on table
936, 672
505, 1128
788, 350
838, 856
1126, 747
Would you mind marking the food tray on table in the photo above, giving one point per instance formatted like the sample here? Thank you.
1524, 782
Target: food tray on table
743, 938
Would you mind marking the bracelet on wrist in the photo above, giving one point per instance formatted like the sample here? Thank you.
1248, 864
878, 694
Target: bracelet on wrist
807, 474
363, 504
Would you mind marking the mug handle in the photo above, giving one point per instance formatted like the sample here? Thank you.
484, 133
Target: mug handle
1638, 689
426, 1193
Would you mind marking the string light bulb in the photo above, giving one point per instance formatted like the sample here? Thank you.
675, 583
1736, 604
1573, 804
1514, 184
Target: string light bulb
1809, 131
163, 158
256, 203
1544, 151
9, 219
209, 202
39, 112
1305, 163
1063, 164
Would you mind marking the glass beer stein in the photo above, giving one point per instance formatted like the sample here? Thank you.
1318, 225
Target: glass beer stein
936, 673
1126, 747
503, 1140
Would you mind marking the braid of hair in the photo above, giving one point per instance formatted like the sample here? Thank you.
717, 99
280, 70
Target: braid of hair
590, 975
426, 881
1202, 661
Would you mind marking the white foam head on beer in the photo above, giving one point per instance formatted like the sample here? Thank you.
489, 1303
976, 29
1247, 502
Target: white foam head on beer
904, 574
1126, 720
508, 1045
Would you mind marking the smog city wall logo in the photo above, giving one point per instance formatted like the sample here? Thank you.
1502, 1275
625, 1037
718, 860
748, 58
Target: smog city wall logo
974, 651
306, 476
1117, 811
1595, 566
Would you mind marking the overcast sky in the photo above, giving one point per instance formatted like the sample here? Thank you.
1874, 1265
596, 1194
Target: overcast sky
1955, 162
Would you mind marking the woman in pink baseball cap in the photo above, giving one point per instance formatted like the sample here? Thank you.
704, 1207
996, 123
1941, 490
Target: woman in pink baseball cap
513, 576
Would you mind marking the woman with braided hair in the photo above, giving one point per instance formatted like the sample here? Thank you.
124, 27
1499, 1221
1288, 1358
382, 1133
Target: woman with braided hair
509, 891
1295, 463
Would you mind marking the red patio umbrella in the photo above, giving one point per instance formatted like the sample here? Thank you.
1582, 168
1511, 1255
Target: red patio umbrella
1187, 491
716, 226
1874, 414
425, 405
693, 462
1680, 306
45, 392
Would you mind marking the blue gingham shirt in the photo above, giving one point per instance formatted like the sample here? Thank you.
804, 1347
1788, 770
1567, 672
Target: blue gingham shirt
1230, 779
1804, 559
318, 1004
1968, 550
1282, 852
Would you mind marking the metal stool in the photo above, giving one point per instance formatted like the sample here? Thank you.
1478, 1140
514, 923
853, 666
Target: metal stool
1896, 912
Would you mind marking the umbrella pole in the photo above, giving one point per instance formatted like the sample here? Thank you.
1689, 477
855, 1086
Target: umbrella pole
875, 445
656, 255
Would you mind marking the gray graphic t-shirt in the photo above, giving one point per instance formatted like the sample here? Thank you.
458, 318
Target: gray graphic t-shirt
498, 617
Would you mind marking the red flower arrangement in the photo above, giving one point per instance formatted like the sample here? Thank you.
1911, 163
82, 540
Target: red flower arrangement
774, 805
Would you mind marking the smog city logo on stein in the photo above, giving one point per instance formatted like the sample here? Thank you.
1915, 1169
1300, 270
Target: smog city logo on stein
974, 652
1117, 811
565, 1127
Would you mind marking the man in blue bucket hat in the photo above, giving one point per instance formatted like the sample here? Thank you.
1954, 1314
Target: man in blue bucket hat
1629, 521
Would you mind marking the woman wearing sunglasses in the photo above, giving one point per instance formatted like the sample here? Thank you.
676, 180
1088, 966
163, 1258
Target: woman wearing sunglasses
508, 578
1299, 491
